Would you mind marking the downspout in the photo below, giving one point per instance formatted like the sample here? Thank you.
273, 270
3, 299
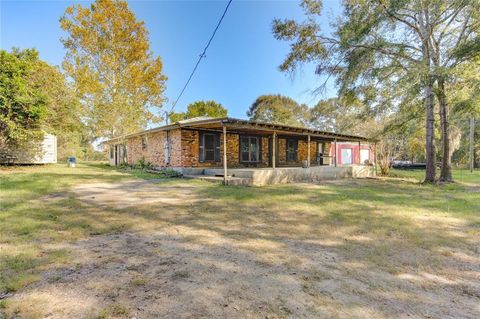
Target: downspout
167, 149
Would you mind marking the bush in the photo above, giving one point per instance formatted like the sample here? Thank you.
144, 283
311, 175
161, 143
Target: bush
142, 164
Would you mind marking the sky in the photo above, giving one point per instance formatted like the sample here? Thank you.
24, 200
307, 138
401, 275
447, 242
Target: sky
240, 65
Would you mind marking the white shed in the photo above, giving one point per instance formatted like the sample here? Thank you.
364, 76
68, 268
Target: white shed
43, 153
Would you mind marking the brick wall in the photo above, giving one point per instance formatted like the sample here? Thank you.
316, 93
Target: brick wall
190, 150
184, 150
176, 147
302, 152
155, 150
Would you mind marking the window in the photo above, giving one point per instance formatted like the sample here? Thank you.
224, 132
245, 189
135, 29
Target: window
364, 156
292, 150
144, 143
250, 149
209, 142
347, 156
209, 147
111, 151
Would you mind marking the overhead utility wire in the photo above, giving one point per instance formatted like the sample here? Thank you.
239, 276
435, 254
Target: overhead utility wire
203, 55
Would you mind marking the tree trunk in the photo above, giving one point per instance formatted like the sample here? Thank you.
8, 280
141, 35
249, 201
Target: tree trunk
430, 133
428, 97
446, 169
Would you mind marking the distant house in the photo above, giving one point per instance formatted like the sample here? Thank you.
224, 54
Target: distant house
202, 144
42, 152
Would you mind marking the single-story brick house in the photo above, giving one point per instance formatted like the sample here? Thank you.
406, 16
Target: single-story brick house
228, 143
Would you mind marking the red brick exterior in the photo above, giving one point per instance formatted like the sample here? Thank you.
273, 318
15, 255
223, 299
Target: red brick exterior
155, 149
184, 150
302, 152
190, 151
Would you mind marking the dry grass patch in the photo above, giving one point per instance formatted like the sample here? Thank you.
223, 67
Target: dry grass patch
128, 247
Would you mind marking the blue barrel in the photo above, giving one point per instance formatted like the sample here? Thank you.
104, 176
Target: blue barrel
72, 161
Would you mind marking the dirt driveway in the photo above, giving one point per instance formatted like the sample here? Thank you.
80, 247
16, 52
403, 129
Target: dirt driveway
182, 254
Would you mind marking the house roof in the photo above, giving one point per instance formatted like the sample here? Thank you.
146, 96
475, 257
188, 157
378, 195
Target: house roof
244, 127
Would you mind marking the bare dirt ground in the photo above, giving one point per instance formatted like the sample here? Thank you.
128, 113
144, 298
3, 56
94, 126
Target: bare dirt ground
186, 256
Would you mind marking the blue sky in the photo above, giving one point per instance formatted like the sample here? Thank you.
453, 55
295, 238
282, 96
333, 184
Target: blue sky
241, 63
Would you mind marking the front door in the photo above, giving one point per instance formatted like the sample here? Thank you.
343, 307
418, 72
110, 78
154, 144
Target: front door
347, 156
320, 148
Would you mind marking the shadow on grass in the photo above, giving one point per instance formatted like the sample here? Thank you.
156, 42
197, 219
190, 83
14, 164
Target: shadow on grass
357, 248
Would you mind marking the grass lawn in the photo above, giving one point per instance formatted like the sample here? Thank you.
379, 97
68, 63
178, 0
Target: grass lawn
95, 242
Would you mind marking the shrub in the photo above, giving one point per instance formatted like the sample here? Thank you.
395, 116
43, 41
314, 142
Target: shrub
142, 164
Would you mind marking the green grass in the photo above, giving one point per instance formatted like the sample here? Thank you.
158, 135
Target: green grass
373, 222
36, 207
459, 175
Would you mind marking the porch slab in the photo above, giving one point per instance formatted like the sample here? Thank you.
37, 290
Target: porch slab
283, 175
218, 179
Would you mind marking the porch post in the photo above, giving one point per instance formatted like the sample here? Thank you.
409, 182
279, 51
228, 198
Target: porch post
335, 152
274, 137
308, 151
359, 163
224, 155
375, 157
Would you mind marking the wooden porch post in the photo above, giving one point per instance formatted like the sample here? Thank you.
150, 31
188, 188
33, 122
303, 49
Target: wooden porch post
308, 151
273, 149
359, 161
224, 155
335, 152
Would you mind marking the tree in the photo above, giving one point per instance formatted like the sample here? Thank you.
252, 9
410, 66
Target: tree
108, 57
454, 41
200, 108
376, 46
64, 112
22, 103
36, 98
278, 109
336, 115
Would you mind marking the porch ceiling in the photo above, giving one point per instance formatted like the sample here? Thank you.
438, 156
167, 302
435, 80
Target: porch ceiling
259, 128
248, 127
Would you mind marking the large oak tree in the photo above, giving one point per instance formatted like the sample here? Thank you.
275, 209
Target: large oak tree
200, 108
278, 109
386, 48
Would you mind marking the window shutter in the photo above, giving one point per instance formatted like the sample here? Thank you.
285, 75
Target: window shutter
201, 153
260, 149
217, 148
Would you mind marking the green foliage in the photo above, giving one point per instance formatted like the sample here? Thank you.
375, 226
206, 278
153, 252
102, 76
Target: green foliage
143, 164
390, 55
339, 115
23, 105
200, 108
64, 112
36, 98
115, 73
278, 109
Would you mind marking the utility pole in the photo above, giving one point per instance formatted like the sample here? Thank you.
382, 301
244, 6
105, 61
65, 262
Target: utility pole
472, 133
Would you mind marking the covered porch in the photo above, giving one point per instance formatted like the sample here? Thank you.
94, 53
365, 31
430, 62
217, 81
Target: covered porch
266, 153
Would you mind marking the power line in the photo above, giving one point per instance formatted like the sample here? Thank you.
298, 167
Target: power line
202, 55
